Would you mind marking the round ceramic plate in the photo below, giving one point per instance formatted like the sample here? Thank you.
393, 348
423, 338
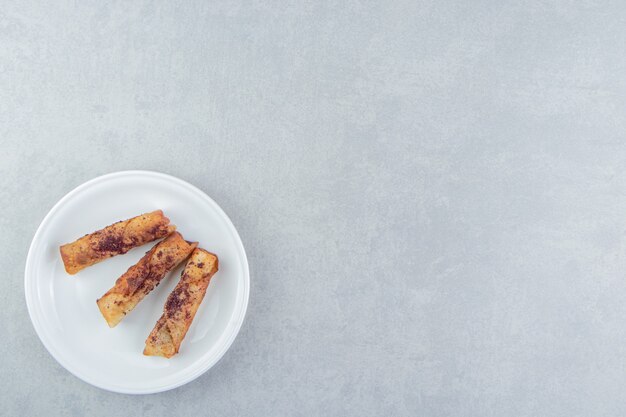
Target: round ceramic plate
63, 307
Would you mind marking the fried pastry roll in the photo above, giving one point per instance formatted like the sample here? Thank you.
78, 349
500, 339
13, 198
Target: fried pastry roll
143, 277
181, 305
115, 239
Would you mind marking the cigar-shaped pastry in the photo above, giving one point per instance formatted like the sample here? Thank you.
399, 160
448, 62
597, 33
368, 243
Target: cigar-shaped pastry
143, 277
115, 239
181, 305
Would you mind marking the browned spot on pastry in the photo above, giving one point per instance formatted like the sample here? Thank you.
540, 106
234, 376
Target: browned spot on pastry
159, 254
82, 258
133, 282
176, 299
110, 243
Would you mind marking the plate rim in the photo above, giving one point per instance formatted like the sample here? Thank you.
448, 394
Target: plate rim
194, 373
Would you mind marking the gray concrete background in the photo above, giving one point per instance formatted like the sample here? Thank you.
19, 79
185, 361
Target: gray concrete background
432, 194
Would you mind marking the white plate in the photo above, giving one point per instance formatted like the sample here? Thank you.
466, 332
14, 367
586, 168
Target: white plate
63, 307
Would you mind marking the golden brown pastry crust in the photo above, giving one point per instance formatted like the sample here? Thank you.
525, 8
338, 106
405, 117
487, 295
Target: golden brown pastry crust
115, 239
143, 277
181, 305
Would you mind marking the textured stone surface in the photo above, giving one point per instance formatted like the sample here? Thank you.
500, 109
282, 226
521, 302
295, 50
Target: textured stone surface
431, 194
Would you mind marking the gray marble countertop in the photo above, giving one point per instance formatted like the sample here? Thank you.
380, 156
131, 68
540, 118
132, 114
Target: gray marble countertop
431, 194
